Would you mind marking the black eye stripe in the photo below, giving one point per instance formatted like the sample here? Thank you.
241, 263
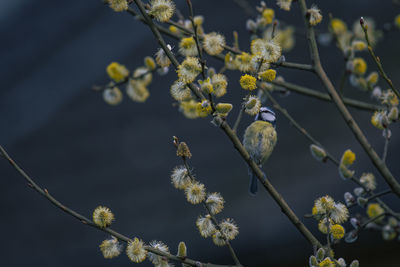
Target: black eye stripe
266, 110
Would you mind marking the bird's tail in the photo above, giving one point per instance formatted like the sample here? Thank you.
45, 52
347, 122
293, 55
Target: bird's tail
253, 186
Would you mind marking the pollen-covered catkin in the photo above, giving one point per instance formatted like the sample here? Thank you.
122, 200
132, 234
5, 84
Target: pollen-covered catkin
103, 217
215, 202
118, 5
205, 225
315, 16
337, 231
268, 75
112, 96
213, 43
117, 72
158, 260
189, 69
248, 82
110, 248
252, 105
136, 251
219, 83
180, 177
162, 10
195, 193
187, 47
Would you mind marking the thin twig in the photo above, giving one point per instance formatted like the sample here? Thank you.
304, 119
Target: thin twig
373, 196
386, 146
372, 220
325, 97
377, 59
238, 145
238, 119
45, 193
247, 7
328, 238
376, 160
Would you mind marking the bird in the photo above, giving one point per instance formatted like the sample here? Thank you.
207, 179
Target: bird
259, 141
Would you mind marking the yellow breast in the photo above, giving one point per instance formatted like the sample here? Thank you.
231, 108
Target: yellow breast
259, 140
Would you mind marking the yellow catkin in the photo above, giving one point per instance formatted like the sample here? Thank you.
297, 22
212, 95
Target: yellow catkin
248, 82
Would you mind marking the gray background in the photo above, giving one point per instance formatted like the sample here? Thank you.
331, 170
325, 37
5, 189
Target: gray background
87, 153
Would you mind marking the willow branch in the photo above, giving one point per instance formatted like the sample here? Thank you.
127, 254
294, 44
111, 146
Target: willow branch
267, 184
291, 65
377, 59
293, 87
214, 220
238, 145
325, 97
196, 38
330, 157
374, 157
233, 50
45, 193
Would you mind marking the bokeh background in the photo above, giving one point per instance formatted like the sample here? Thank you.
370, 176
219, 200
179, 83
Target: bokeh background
87, 153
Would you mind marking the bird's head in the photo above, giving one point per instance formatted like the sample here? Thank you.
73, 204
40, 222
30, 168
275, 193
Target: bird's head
266, 114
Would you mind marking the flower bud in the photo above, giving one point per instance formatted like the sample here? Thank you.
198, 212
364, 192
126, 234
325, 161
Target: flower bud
150, 63
318, 153
320, 254
223, 109
358, 191
342, 262
362, 201
388, 233
344, 172
349, 198
112, 96
393, 114
351, 236
182, 250
183, 150
348, 158
372, 78
313, 261
355, 222
393, 222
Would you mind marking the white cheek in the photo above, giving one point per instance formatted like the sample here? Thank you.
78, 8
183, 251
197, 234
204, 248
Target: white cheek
267, 117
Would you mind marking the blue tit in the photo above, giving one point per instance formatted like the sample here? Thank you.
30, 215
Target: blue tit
259, 140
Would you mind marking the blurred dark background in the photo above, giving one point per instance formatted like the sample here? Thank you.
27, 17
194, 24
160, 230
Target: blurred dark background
87, 153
